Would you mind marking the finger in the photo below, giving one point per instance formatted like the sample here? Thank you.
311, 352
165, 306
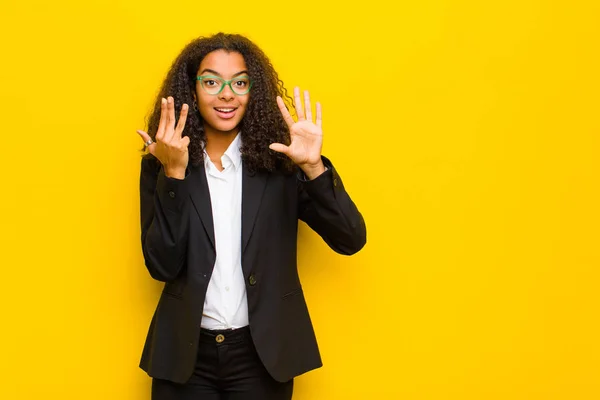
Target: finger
181, 122
307, 106
170, 128
319, 115
160, 132
280, 148
299, 111
185, 141
145, 137
284, 112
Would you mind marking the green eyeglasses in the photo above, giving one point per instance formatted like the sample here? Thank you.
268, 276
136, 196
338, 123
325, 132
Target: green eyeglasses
214, 85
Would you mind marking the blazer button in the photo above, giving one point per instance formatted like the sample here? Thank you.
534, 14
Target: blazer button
172, 194
335, 182
252, 280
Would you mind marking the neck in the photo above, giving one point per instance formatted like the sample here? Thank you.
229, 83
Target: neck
217, 142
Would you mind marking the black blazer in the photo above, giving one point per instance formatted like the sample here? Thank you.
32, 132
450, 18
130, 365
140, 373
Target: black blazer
178, 246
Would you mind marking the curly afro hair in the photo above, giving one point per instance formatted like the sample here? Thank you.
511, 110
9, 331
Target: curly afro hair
262, 123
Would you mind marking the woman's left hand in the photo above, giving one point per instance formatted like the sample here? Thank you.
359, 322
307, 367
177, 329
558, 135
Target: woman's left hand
306, 136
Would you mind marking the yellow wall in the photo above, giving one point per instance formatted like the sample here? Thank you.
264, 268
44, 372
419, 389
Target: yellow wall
466, 131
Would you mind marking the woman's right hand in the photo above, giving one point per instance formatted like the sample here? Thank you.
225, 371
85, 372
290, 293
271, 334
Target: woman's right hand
170, 147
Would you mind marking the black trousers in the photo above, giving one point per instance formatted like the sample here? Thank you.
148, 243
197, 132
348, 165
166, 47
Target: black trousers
227, 368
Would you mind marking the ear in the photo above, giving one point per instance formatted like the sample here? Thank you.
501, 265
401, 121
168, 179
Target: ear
195, 105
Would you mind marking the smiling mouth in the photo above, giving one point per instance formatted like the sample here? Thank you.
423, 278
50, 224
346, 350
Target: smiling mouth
226, 113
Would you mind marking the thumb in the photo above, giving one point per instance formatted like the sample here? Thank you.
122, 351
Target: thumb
145, 137
280, 148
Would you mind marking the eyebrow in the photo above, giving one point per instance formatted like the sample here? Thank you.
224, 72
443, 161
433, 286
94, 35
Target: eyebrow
218, 74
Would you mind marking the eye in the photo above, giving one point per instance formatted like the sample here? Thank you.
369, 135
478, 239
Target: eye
210, 82
241, 83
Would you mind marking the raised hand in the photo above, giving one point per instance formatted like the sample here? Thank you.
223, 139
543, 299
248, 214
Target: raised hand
306, 136
170, 147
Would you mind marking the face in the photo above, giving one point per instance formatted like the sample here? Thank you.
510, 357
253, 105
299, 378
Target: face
223, 112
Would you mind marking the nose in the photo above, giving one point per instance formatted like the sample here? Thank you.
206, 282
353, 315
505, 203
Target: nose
226, 94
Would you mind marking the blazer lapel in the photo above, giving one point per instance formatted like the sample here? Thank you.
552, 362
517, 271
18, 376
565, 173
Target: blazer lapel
253, 186
201, 199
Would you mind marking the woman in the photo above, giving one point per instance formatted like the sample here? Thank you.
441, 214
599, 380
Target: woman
222, 189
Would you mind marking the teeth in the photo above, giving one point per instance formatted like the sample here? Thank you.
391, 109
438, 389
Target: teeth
225, 109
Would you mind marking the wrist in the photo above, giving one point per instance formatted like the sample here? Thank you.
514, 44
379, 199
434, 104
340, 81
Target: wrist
176, 173
313, 171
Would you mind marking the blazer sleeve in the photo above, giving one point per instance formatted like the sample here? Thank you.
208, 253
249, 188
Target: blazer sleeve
327, 208
164, 205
